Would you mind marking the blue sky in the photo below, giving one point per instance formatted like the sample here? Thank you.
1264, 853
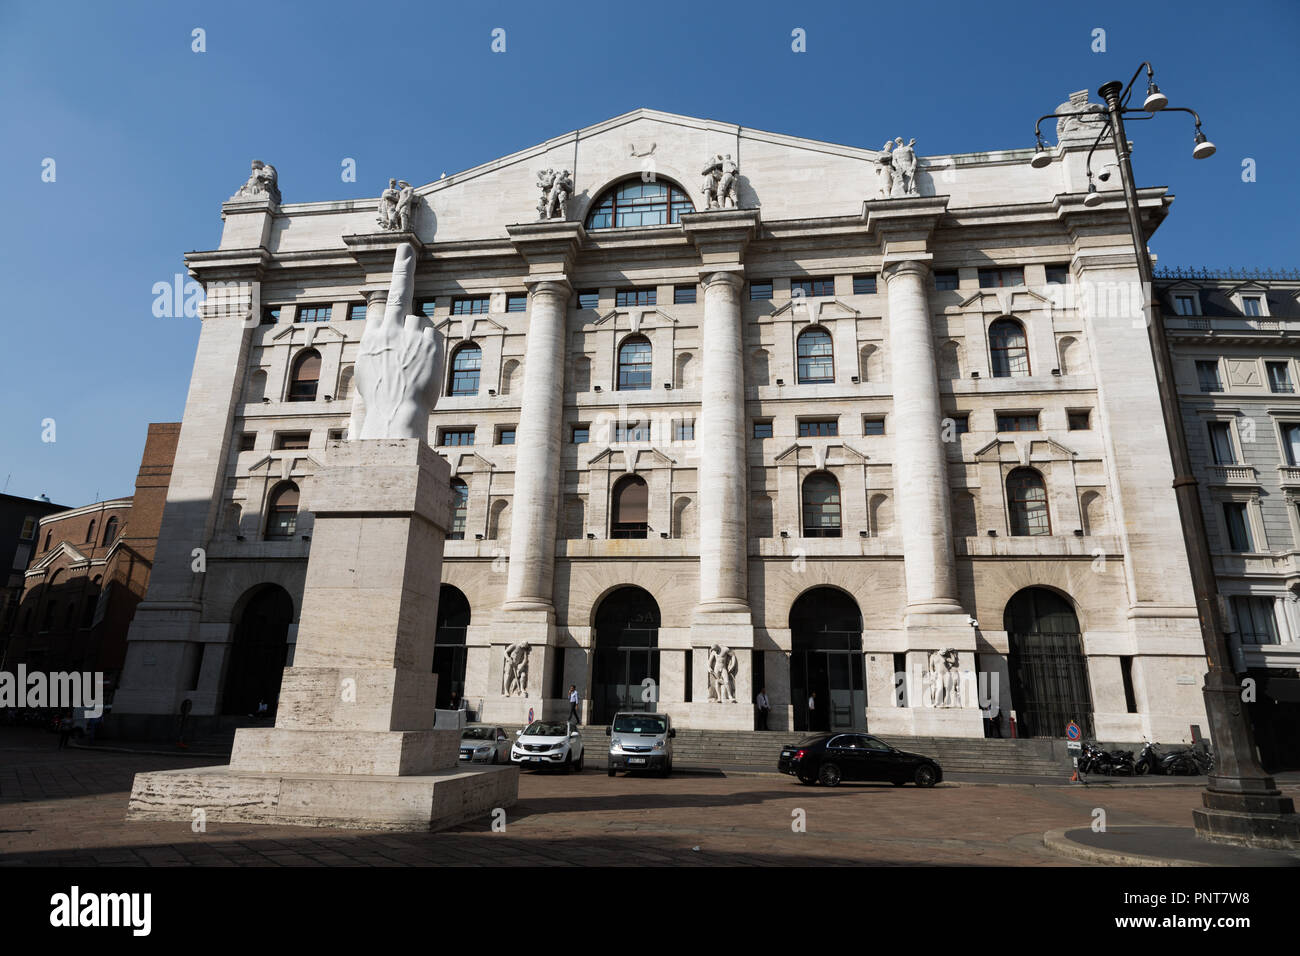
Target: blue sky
149, 137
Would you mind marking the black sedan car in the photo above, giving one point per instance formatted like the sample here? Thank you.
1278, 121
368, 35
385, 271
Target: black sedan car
830, 758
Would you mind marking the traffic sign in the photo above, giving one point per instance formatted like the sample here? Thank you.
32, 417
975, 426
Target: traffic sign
1072, 731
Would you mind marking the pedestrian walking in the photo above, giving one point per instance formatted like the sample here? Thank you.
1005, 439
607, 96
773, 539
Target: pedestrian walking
573, 703
813, 722
764, 706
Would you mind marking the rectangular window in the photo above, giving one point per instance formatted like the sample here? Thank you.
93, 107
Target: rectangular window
1234, 516
516, 303
1221, 443
29, 529
864, 285
684, 430
634, 297
873, 425
292, 440
1279, 377
762, 429
456, 436
425, 307
338, 434
1256, 623
506, 436
1251, 306
581, 434
589, 298
471, 305
1002, 276
632, 431
314, 313
247, 441
1080, 421
271, 315
1058, 275
818, 427
945, 280
683, 295
1207, 375
356, 311
1018, 422
1291, 442
960, 423
1185, 304
760, 290
819, 286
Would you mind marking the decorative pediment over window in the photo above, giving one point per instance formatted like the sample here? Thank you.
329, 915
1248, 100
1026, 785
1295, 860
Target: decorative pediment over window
818, 310
58, 551
306, 335
820, 454
632, 459
284, 465
1024, 452
465, 327
638, 319
465, 462
1012, 300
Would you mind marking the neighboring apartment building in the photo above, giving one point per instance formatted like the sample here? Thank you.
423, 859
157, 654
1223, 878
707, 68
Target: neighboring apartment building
1235, 341
89, 571
19, 518
803, 444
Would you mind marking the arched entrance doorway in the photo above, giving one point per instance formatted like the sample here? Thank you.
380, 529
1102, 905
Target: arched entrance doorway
449, 644
626, 654
1049, 675
826, 658
258, 650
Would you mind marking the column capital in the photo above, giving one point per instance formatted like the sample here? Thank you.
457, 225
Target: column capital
550, 248
552, 284
733, 276
917, 264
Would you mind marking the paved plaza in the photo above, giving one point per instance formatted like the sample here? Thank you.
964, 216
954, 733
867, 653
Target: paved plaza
68, 807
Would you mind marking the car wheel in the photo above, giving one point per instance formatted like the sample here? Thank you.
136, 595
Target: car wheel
924, 776
568, 763
829, 775
578, 766
494, 758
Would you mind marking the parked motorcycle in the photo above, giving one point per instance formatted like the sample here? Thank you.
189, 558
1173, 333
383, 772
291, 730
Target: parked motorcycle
1172, 763
1108, 762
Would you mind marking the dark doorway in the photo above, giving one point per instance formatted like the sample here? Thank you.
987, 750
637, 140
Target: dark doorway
449, 644
258, 651
826, 658
1049, 675
1275, 715
627, 654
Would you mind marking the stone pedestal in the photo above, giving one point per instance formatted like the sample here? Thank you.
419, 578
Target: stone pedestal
354, 744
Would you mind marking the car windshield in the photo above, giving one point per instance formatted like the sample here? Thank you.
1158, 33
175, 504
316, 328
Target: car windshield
640, 724
478, 733
814, 739
540, 728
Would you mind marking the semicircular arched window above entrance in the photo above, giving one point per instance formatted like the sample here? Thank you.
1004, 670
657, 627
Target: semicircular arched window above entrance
636, 203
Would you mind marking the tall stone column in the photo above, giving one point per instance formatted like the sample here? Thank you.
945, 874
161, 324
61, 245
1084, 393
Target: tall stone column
537, 452
920, 468
723, 467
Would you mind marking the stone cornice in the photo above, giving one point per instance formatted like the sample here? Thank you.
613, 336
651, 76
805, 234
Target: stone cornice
721, 235
550, 248
220, 264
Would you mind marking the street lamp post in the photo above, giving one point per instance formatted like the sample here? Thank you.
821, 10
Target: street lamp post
1241, 803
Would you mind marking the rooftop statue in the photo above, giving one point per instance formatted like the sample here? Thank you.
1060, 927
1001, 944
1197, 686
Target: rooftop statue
556, 190
720, 178
262, 181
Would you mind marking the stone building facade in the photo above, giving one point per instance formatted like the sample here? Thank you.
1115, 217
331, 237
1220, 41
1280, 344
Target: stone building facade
90, 570
1236, 359
19, 521
848, 420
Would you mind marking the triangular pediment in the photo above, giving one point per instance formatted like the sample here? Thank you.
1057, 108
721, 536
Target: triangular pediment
817, 310
821, 454
58, 551
1025, 451
306, 335
465, 327
465, 462
637, 319
1008, 301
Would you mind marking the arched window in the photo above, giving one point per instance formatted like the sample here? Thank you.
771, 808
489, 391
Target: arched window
1069, 355
282, 512
683, 518
816, 357
90, 532
634, 364
1027, 502
871, 364
305, 377
636, 203
509, 376
631, 508
256, 386
1008, 349
465, 364
345, 383
110, 531
821, 506
685, 376
498, 519
459, 509
48, 536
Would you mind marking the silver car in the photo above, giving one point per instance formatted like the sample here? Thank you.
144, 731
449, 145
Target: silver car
641, 741
483, 743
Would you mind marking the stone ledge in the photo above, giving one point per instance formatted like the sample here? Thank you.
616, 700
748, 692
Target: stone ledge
430, 802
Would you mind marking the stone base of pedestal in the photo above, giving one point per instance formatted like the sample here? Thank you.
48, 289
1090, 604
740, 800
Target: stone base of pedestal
395, 752
516, 710
926, 721
711, 716
426, 802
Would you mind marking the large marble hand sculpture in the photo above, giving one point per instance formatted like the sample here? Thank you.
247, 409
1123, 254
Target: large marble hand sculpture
396, 365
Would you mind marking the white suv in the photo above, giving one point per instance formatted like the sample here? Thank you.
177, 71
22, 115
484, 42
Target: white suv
548, 743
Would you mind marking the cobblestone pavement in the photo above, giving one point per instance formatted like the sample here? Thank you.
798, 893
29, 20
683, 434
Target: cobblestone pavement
67, 807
